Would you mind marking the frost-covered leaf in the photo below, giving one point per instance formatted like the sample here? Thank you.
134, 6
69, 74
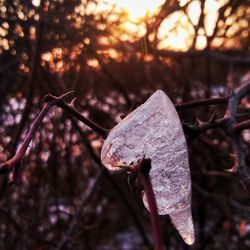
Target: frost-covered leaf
154, 131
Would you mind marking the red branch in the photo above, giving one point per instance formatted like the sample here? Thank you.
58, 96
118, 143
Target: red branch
14, 162
8, 165
143, 169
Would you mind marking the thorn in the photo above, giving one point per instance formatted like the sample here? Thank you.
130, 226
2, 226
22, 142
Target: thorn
187, 123
199, 122
72, 103
230, 170
212, 116
65, 95
235, 166
50, 97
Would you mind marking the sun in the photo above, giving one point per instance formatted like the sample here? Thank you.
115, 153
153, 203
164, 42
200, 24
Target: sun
137, 8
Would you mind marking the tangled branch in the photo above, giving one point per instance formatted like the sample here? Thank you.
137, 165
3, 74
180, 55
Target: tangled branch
14, 163
231, 126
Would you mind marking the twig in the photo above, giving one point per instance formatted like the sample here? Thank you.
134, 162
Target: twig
202, 102
143, 169
195, 130
73, 111
241, 126
35, 60
8, 165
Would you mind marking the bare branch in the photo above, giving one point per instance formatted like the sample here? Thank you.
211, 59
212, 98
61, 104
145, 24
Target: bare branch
74, 112
8, 165
202, 102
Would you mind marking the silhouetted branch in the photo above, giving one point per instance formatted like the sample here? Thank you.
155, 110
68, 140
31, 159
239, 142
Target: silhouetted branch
239, 169
229, 123
202, 102
74, 112
197, 129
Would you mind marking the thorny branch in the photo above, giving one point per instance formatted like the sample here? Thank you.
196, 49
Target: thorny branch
8, 165
73, 111
15, 161
229, 123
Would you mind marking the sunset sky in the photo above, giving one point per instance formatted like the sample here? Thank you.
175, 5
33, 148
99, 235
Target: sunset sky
175, 31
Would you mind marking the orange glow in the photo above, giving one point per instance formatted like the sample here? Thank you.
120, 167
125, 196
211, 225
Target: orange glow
93, 63
177, 30
136, 8
47, 56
